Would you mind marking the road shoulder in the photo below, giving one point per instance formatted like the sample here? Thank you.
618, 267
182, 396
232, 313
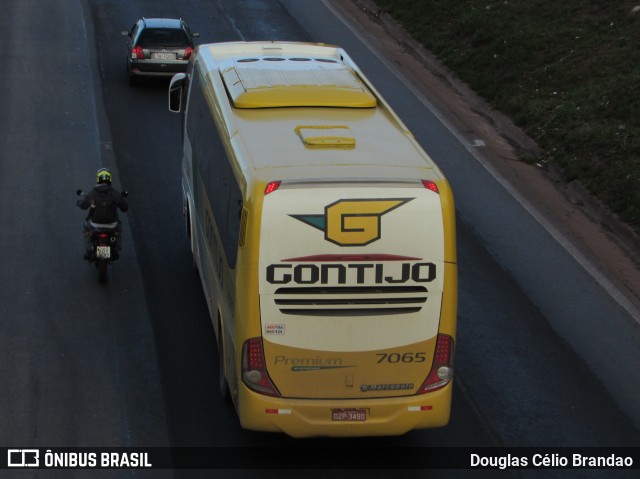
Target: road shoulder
610, 247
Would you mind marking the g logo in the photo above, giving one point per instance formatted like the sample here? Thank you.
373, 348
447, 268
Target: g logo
353, 222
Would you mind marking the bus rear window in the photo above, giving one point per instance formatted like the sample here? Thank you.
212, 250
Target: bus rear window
164, 37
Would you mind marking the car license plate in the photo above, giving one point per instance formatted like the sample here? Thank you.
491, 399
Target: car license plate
164, 56
103, 252
349, 415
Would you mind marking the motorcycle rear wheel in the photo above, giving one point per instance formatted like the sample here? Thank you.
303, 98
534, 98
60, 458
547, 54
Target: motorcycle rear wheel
102, 270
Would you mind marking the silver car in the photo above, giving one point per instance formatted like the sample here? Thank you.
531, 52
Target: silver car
158, 47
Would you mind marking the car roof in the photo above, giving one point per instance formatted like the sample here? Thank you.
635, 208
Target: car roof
162, 22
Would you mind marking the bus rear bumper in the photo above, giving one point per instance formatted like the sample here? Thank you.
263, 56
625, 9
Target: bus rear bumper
311, 418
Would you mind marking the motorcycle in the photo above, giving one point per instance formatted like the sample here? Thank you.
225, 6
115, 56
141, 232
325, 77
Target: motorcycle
103, 241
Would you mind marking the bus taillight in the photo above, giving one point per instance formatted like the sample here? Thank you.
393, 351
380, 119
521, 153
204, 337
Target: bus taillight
254, 372
430, 185
442, 367
271, 187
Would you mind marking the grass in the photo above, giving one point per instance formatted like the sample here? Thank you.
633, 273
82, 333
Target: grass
566, 72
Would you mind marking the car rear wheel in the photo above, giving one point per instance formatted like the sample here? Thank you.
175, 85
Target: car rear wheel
133, 80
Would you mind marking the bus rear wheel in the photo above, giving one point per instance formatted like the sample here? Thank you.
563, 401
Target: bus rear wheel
223, 384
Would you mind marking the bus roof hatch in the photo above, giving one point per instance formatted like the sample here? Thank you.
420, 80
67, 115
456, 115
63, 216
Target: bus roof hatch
268, 82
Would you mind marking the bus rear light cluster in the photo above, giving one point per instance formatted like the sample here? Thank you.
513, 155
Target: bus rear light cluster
254, 372
442, 367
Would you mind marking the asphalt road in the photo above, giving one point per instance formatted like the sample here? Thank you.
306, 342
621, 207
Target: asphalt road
134, 363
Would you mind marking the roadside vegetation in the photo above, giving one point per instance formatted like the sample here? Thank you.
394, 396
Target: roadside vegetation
567, 73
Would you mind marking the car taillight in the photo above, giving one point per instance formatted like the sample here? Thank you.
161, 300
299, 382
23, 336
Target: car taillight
187, 52
137, 53
254, 372
442, 368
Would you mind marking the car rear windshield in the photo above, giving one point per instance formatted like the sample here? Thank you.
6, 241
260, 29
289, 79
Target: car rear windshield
163, 37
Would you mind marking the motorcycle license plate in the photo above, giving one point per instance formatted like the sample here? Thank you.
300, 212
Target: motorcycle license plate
103, 252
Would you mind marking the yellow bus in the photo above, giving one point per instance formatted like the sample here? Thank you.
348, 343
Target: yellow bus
324, 236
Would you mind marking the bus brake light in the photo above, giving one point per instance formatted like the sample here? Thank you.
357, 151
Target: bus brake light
430, 185
271, 187
254, 372
442, 367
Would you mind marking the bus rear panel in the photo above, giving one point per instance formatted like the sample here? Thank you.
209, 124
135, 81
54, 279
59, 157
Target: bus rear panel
351, 286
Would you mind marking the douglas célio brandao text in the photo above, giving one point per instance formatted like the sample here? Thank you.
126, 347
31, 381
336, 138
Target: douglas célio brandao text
550, 460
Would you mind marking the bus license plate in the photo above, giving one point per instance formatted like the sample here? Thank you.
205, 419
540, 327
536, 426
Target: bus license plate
348, 414
103, 252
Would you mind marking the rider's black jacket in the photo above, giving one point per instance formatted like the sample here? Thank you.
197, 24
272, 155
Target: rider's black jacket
105, 200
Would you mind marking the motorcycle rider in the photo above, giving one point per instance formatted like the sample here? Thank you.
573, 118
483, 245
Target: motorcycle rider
103, 201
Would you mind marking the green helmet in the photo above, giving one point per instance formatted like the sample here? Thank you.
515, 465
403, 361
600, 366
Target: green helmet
103, 176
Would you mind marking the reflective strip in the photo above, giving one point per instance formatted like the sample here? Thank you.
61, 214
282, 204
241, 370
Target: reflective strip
420, 408
277, 411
